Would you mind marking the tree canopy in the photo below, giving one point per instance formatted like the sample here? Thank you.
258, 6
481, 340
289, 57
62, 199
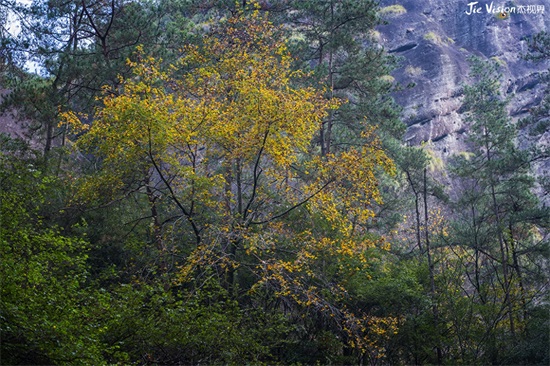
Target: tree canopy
225, 183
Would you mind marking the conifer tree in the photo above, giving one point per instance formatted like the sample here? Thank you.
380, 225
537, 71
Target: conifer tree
501, 214
337, 40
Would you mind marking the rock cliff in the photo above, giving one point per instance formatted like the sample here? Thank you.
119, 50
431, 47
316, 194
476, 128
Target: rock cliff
434, 39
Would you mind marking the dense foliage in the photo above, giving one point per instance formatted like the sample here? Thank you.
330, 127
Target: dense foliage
213, 182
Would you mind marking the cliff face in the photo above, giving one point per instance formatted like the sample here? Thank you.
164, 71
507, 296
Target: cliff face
434, 39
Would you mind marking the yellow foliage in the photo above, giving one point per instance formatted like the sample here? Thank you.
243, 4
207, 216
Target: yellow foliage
227, 138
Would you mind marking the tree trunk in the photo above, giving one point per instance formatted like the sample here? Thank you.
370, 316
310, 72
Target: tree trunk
431, 267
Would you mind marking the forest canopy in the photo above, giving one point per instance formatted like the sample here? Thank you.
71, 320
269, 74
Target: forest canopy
211, 182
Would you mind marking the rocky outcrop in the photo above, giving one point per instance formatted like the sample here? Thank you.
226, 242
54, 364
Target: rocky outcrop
433, 40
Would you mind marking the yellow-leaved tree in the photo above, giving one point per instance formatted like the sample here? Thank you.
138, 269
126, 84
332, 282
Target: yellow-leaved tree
221, 143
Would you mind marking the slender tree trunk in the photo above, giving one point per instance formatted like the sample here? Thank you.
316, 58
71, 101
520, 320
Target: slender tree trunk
417, 210
330, 120
431, 268
157, 231
326, 126
502, 242
476, 264
517, 269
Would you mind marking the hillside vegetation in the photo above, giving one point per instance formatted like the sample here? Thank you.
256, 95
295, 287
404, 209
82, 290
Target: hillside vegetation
211, 182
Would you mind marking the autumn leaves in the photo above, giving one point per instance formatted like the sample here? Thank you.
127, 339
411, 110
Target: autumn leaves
224, 141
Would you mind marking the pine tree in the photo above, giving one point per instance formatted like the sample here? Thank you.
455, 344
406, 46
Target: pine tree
336, 39
501, 216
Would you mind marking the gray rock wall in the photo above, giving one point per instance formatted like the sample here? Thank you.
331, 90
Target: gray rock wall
434, 39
